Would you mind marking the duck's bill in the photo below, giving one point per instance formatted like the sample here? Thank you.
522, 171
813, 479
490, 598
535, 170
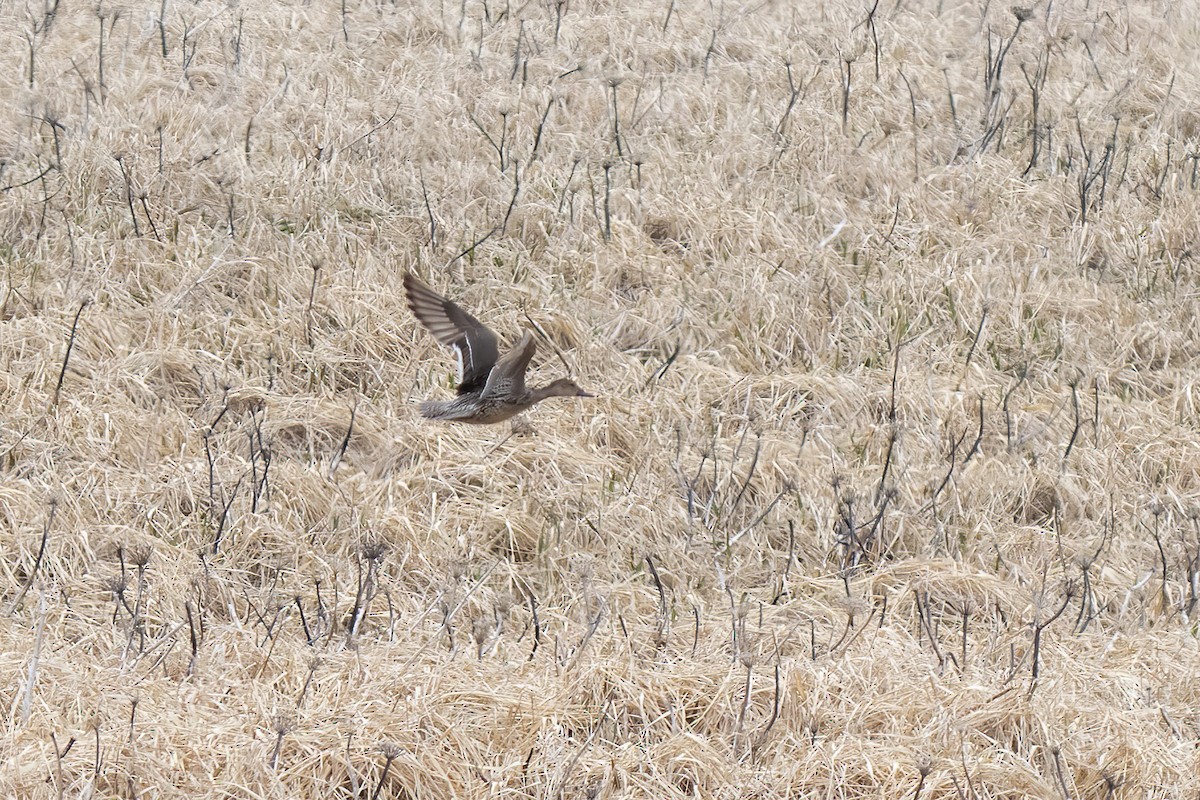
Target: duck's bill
582, 393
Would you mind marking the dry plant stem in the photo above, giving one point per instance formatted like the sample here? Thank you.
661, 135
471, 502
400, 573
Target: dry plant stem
1022, 374
616, 127
994, 64
499, 227
308, 311
844, 65
37, 561
39, 176
761, 516
187, 47
450, 614
433, 226
162, 28
499, 147
226, 505
1157, 512
664, 618
237, 44
140, 557
137, 231
712, 46
195, 635
57, 130
588, 633
548, 340
337, 458
1056, 753
166, 643
229, 214
260, 451
372, 553
374, 129
307, 681
390, 754
30, 43
351, 772
537, 137
781, 585
560, 7
978, 435
881, 489
1039, 626
737, 500
741, 720
537, 626
587, 745
309, 637
847, 640
1093, 169
1078, 422
870, 23
887, 237
325, 613
62, 373
133, 705
912, 100
920, 784
761, 739
97, 758
566, 186
607, 165
59, 755
735, 626
1036, 83
1193, 572
954, 445
146, 210
794, 92
965, 611
1087, 605
661, 371
925, 615
100, 15
974, 344
281, 725
34, 659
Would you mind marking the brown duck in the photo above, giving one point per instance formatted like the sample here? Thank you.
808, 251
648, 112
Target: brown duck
491, 387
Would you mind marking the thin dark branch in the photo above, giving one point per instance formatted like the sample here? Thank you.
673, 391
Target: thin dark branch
37, 562
62, 373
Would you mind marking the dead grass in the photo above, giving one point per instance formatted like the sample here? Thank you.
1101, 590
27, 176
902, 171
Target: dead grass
890, 489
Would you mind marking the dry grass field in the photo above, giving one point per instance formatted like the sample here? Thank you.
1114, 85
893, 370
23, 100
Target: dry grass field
891, 488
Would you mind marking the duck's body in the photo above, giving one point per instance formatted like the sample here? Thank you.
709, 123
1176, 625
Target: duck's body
481, 410
491, 388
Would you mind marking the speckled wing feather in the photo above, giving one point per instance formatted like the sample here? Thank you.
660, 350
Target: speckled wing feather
508, 377
472, 341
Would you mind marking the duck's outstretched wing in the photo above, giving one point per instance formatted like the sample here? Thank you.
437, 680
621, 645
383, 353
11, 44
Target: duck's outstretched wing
508, 377
472, 341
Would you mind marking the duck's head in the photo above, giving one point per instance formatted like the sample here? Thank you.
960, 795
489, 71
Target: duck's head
565, 387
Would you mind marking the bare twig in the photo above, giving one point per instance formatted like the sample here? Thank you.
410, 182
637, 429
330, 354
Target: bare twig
62, 373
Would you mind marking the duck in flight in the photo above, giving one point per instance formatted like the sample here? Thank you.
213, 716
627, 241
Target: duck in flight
491, 387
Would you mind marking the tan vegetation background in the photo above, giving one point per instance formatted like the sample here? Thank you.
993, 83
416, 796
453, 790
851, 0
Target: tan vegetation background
890, 490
